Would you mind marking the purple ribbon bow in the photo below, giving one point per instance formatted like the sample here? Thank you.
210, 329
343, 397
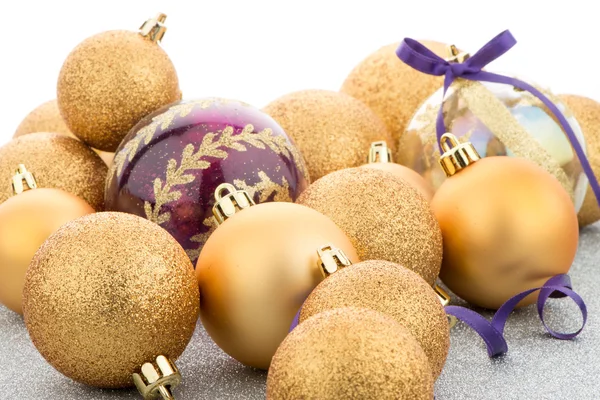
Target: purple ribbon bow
492, 332
424, 60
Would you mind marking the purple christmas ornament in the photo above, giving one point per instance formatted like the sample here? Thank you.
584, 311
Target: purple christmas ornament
168, 167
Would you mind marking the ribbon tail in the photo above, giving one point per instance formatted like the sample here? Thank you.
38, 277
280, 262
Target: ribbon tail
494, 340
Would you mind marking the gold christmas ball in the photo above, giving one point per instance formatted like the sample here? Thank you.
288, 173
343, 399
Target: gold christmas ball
332, 130
587, 112
56, 161
393, 290
392, 89
384, 217
26, 221
408, 175
107, 293
112, 80
47, 118
256, 270
350, 353
508, 226
44, 118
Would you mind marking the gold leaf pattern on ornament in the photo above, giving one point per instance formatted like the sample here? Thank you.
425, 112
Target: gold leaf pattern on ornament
211, 224
266, 188
211, 146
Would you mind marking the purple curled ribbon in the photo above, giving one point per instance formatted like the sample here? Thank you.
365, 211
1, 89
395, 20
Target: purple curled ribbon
424, 60
492, 332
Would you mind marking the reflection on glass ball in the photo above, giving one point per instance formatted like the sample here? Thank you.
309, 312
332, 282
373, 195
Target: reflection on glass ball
499, 120
169, 165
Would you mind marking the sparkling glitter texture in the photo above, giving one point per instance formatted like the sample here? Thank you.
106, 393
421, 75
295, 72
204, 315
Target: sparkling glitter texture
56, 161
109, 82
350, 353
393, 290
105, 294
587, 112
392, 89
332, 130
44, 118
384, 217
498, 120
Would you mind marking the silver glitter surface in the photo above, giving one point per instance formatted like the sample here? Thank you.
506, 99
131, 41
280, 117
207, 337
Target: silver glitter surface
536, 366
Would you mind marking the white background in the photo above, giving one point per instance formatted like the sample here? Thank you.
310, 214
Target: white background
258, 50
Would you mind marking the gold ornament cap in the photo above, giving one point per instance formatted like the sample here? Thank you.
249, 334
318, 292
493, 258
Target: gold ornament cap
23, 175
229, 200
154, 28
457, 56
379, 152
153, 383
331, 259
456, 155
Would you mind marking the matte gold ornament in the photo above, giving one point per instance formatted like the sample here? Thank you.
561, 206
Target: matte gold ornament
332, 130
392, 89
508, 225
106, 294
350, 353
384, 217
26, 221
59, 162
112, 80
257, 268
587, 112
47, 118
380, 157
393, 290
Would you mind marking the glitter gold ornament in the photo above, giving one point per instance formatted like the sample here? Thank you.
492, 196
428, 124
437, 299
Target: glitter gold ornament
47, 118
392, 89
257, 268
44, 118
587, 112
499, 120
106, 294
393, 290
58, 162
26, 221
380, 157
508, 225
332, 130
112, 80
350, 353
384, 217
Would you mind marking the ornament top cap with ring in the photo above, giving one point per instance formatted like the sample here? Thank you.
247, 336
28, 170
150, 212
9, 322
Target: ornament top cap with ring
23, 180
379, 152
456, 155
153, 383
154, 28
331, 259
229, 200
457, 56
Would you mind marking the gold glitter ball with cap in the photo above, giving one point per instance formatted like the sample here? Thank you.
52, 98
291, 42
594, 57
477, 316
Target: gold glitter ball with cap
380, 157
498, 120
58, 162
26, 221
46, 118
392, 89
350, 353
393, 290
112, 80
106, 295
257, 268
384, 217
332, 130
587, 112
508, 225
